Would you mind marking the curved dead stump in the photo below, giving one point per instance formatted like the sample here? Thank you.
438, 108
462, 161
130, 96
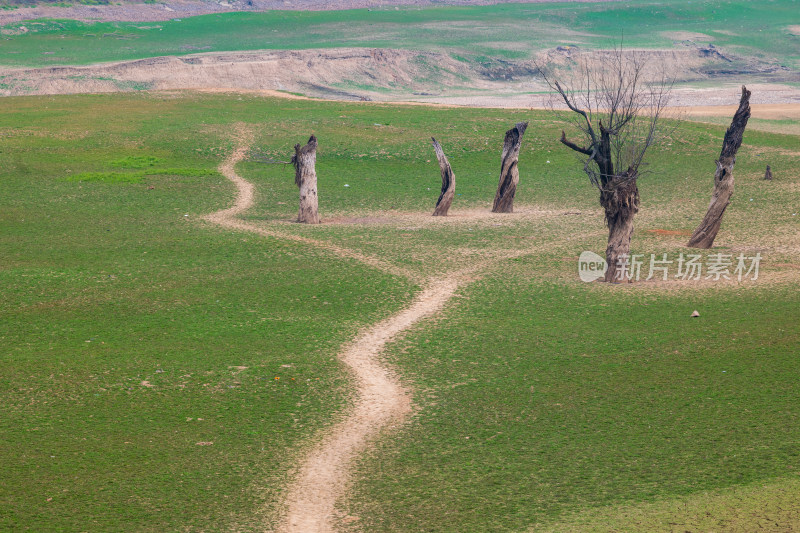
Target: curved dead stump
448, 182
509, 175
706, 232
305, 177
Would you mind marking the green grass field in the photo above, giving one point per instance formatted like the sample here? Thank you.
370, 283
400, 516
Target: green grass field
126, 324
749, 29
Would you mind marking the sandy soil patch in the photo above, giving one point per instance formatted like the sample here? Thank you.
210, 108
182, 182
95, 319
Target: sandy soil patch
763, 111
770, 101
256, 92
774, 118
668, 232
357, 221
687, 36
412, 221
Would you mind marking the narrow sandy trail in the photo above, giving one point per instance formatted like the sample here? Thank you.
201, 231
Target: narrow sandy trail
245, 197
380, 399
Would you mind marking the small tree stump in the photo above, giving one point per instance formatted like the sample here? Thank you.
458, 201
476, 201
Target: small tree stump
448, 182
706, 232
768, 174
305, 177
509, 175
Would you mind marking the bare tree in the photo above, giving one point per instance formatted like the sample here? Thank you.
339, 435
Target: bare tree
448, 182
305, 177
706, 232
509, 174
615, 103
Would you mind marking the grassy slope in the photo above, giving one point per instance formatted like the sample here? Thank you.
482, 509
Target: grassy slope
511, 30
112, 262
540, 399
107, 285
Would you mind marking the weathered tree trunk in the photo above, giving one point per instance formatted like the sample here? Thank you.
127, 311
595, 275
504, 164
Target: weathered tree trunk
448, 182
620, 200
509, 175
619, 197
768, 174
305, 177
706, 232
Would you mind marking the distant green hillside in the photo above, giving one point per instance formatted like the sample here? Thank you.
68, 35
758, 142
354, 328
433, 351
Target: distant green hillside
759, 30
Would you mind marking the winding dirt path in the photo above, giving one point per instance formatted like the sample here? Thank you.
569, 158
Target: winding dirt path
381, 401
245, 198
380, 398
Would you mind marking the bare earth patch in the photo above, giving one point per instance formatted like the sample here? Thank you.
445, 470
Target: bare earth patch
668, 232
716, 101
787, 111
320, 73
687, 36
360, 74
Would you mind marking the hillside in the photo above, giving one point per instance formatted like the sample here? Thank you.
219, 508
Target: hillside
478, 55
105, 10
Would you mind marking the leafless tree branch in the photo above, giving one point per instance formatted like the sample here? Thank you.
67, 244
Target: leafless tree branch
618, 90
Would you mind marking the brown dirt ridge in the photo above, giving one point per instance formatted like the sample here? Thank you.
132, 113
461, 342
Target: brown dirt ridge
359, 74
312, 72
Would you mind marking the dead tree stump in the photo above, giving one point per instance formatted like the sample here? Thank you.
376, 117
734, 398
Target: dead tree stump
509, 175
448, 182
706, 232
305, 177
768, 174
620, 200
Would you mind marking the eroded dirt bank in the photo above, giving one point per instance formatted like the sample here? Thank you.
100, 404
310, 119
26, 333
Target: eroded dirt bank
378, 74
342, 73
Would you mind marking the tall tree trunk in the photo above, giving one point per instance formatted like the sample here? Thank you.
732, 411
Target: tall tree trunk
509, 175
448, 182
305, 177
620, 200
706, 232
